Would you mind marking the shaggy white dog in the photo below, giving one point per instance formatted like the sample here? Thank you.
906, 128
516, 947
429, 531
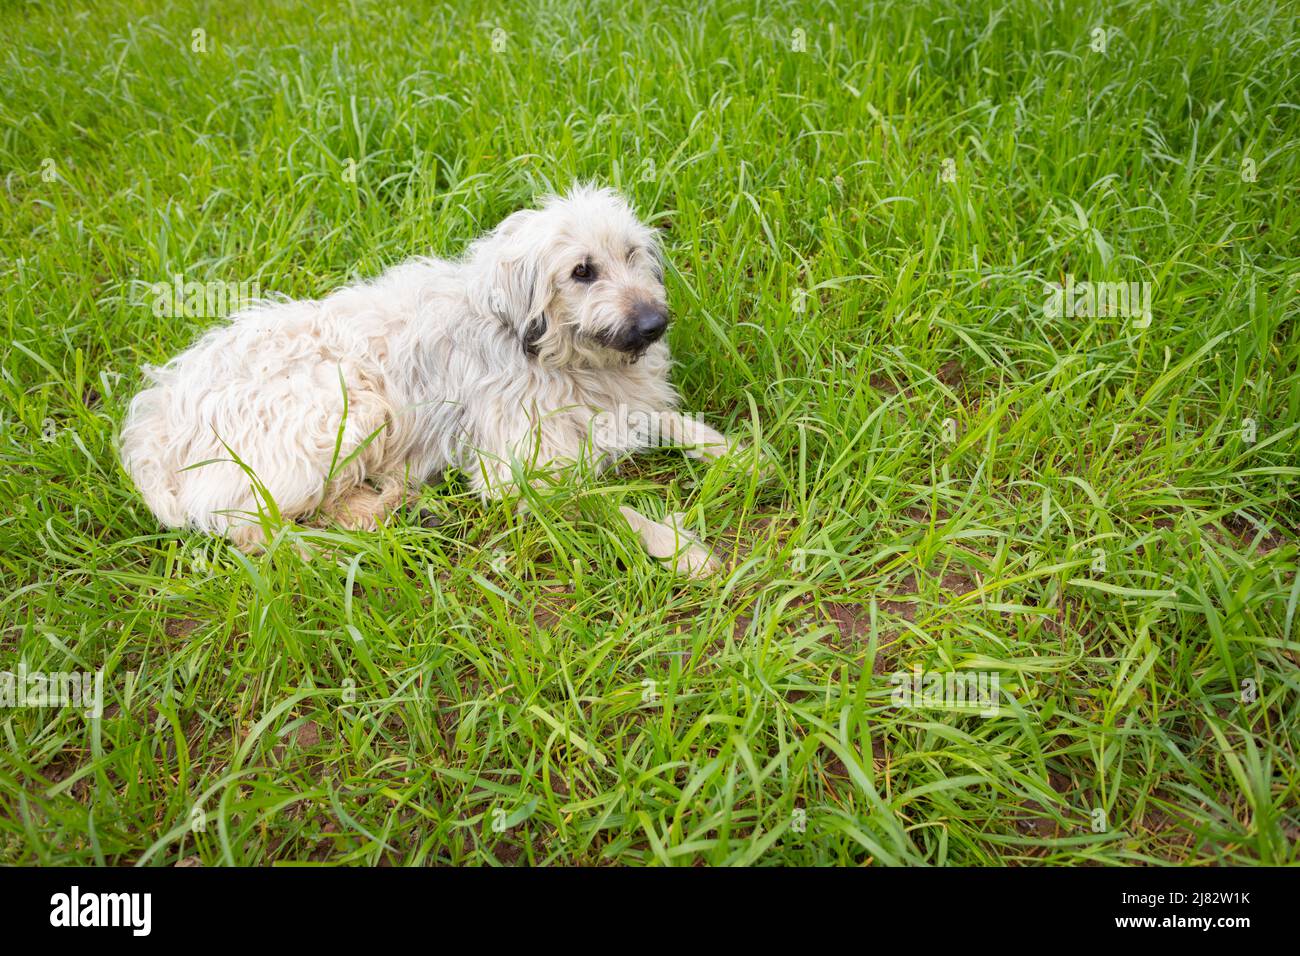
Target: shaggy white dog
542, 347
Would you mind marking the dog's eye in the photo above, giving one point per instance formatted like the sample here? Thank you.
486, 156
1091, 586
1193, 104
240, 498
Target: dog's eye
584, 272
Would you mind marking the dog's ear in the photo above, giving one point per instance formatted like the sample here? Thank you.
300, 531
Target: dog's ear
534, 332
655, 246
509, 280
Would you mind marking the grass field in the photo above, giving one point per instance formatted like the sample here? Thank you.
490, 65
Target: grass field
862, 206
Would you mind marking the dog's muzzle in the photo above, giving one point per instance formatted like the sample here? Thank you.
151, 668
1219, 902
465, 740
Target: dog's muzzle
645, 325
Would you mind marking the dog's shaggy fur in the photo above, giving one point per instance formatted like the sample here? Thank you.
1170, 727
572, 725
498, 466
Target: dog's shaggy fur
339, 409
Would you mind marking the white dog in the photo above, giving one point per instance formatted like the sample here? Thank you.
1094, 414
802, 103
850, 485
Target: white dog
339, 409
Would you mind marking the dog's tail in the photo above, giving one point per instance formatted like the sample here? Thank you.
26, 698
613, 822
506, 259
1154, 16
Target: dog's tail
143, 446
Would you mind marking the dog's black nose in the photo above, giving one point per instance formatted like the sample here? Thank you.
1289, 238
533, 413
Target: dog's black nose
648, 322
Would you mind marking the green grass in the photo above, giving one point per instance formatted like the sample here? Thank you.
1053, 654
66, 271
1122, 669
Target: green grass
1092, 524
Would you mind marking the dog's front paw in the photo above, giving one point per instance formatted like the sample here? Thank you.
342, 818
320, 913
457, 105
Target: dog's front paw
710, 445
670, 541
696, 562
694, 559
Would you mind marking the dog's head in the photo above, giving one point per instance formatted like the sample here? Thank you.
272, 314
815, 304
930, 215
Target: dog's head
579, 281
